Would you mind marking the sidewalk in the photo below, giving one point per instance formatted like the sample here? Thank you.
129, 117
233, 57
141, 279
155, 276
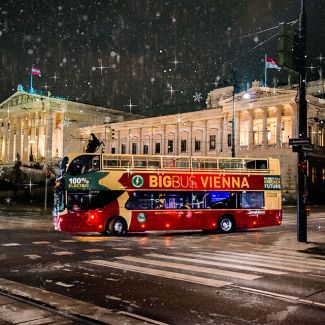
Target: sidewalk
28, 305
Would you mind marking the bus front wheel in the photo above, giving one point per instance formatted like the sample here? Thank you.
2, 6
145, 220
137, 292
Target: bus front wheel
226, 224
117, 226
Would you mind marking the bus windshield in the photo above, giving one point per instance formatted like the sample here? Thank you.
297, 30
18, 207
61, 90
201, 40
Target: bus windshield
84, 164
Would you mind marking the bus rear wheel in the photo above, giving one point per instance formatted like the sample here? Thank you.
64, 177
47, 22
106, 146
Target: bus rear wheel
226, 224
117, 227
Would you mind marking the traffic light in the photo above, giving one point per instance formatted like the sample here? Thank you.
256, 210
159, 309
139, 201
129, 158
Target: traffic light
288, 47
302, 166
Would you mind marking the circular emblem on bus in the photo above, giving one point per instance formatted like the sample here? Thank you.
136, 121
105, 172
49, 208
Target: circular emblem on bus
137, 181
141, 217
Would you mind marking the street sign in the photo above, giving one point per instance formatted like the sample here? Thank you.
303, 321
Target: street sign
295, 141
309, 147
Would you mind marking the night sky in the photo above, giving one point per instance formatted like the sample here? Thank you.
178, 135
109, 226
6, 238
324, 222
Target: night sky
146, 47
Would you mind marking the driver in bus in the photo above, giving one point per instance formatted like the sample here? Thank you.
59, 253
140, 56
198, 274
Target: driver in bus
161, 202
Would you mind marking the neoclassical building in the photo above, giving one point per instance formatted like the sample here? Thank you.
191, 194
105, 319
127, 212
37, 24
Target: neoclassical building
42, 128
264, 121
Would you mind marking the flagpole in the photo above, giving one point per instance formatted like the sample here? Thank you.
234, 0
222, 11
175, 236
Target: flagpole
265, 71
31, 80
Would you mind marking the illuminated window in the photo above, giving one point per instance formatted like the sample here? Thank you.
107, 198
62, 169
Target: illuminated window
321, 137
313, 174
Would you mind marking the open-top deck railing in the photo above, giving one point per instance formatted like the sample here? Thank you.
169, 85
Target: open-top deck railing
185, 163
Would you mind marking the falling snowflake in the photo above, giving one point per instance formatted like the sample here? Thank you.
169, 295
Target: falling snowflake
197, 97
8, 200
66, 122
1, 171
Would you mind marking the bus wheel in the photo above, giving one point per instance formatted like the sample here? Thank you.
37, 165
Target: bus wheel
117, 227
226, 224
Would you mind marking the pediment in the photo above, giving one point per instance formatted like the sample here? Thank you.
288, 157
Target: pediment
17, 99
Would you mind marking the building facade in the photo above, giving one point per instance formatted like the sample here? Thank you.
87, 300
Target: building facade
264, 121
41, 128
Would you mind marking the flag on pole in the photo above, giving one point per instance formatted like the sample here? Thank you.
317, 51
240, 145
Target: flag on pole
271, 63
36, 71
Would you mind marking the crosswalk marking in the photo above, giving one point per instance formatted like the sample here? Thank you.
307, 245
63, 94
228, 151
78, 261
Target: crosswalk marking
11, 244
207, 262
161, 273
254, 261
122, 249
40, 242
62, 253
187, 267
284, 260
93, 250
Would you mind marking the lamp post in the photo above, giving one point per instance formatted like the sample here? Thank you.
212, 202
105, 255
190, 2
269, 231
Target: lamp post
233, 149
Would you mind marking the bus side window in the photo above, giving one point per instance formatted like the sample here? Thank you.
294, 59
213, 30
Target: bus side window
252, 200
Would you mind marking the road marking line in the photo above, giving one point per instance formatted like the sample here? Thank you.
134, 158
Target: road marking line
122, 249
161, 273
267, 293
63, 253
145, 319
33, 256
68, 241
213, 271
40, 242
230, 265
65, 285
11, 244
93, 250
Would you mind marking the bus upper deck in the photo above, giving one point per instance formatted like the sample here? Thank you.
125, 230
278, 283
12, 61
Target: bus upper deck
93, 162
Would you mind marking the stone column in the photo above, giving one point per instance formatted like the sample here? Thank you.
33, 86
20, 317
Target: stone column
163, 144
49, 137
128, 142
279, 111
177, 144
33, 136
41, 137
1, 139
264, 128
118, 142
18, 137
250, 129
11, 134
237, 132
24, 151
226, 131
205, 139
219, 135
6, 139
294, 121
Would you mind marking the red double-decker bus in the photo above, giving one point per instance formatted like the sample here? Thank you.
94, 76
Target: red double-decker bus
117, 194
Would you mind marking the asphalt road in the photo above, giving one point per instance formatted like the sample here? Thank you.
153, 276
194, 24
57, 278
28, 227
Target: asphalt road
259, 276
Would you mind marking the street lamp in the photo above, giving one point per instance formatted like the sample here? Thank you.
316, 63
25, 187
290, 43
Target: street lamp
233, 149
234, 83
